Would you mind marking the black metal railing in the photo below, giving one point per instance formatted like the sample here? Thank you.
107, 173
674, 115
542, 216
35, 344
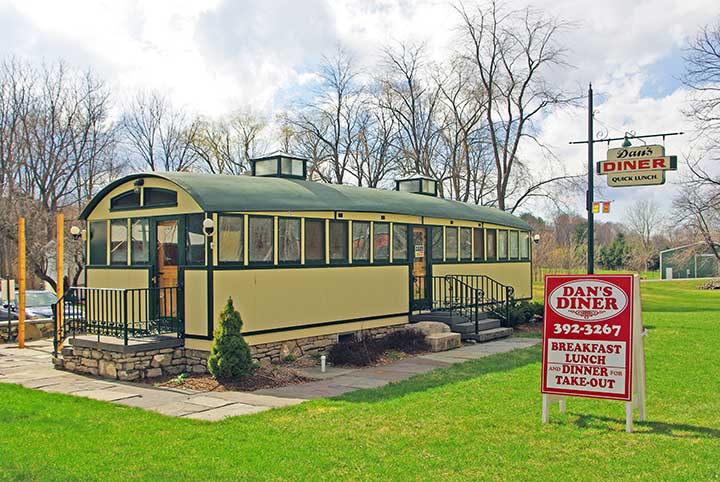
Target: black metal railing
119, 313
467, 295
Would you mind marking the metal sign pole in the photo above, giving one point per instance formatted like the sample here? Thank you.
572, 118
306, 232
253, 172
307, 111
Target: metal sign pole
590, 189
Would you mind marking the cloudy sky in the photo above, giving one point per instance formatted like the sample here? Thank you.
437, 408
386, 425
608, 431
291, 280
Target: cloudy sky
212, 55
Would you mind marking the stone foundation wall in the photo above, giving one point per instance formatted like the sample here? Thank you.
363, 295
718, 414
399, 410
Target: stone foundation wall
136, 365
34, 330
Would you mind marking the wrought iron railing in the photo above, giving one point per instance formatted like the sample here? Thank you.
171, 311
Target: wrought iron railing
119, 313
467, 295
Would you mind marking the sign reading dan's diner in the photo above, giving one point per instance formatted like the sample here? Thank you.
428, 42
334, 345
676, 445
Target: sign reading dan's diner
587, 336
636, 166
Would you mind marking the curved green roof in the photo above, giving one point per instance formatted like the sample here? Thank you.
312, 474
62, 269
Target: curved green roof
223, 193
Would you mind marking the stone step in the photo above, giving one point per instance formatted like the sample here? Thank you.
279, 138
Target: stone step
443, 341
469, 326
443, 316
488, 335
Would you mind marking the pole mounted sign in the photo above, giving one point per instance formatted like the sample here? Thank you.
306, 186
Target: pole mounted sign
636, 166
592, 341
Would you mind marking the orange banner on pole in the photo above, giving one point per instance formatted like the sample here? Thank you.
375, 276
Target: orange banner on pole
21, 283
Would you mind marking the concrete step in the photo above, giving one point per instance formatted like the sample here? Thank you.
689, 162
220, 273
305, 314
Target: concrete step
442, 316
443, 341
488, 335
469, 326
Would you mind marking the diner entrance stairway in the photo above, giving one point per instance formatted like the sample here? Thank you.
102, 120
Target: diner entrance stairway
475, 306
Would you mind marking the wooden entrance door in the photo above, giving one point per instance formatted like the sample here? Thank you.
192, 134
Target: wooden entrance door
419, 297
167, 266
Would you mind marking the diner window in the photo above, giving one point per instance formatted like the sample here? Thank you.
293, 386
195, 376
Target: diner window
491, 244
314, 241
195, 239
479, 244
400, 252
502, 251
140, 241
118, 241
338, 242
465, 243
157, 197
126, 200
230, 239
98, 242
381, 242
451, 243
361, 241
524, 245
436, 234
289, 240
260, 239
514, 244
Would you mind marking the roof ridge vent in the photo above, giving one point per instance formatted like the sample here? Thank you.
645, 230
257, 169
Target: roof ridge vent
279, 164
418, 184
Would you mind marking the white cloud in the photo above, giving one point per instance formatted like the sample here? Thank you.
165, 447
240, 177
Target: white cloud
214, 55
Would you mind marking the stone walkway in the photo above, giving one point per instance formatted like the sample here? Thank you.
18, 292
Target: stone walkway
32, 368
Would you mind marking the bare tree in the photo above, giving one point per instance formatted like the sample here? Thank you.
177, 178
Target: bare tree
511, 52
645, 220
158, 135
332, 118
412, 97
698, 204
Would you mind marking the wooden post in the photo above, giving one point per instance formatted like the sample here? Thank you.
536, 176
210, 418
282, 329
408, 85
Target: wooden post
60, 283
21, 283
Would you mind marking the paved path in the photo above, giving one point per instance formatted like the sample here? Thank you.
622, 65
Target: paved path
32, 368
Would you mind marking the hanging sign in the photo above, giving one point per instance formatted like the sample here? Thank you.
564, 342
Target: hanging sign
636, 166
592, 339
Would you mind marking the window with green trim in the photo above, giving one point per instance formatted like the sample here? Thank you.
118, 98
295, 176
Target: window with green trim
140, 241
466, 244
194, 239
451, 243
288, 240
436, 234
158, 197
502, 250
125, 200
118, 241
98, 242
231, 246
514, 244
524, 245
479, 244
338, 241
314, 241
491, 248
260, 239
400, 249
381, 242
361, 241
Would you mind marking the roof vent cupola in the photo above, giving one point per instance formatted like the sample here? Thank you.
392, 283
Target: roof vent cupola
417, 184
279, 164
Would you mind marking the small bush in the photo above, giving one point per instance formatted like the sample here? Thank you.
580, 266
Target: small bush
358, 353
230, 354
524, 312
408, 341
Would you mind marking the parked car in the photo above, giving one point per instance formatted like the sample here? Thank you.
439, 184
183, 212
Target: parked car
38, 304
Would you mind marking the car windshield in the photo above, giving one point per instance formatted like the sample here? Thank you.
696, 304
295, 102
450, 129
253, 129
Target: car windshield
38, 298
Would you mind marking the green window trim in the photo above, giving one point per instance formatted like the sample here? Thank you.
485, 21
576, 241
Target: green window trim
126, 201
143, 228
167, 198
503, 251
381, 242
287, 222
231, 219
402, 238
195, 250
118, 245
340, 230
250, 247
437, 243
98, 232
361, 240
491, 245
478, 244
315, 261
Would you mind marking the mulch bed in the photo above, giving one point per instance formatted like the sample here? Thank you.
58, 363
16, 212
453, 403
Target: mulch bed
273, 376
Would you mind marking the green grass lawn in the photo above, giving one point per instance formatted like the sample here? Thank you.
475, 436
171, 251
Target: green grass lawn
478, 420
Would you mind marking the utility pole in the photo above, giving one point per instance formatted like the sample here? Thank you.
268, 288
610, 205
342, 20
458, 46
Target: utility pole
590, 189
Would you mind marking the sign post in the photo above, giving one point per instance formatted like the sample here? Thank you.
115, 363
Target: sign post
593, 341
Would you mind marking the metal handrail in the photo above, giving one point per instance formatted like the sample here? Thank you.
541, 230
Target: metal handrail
118, 312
